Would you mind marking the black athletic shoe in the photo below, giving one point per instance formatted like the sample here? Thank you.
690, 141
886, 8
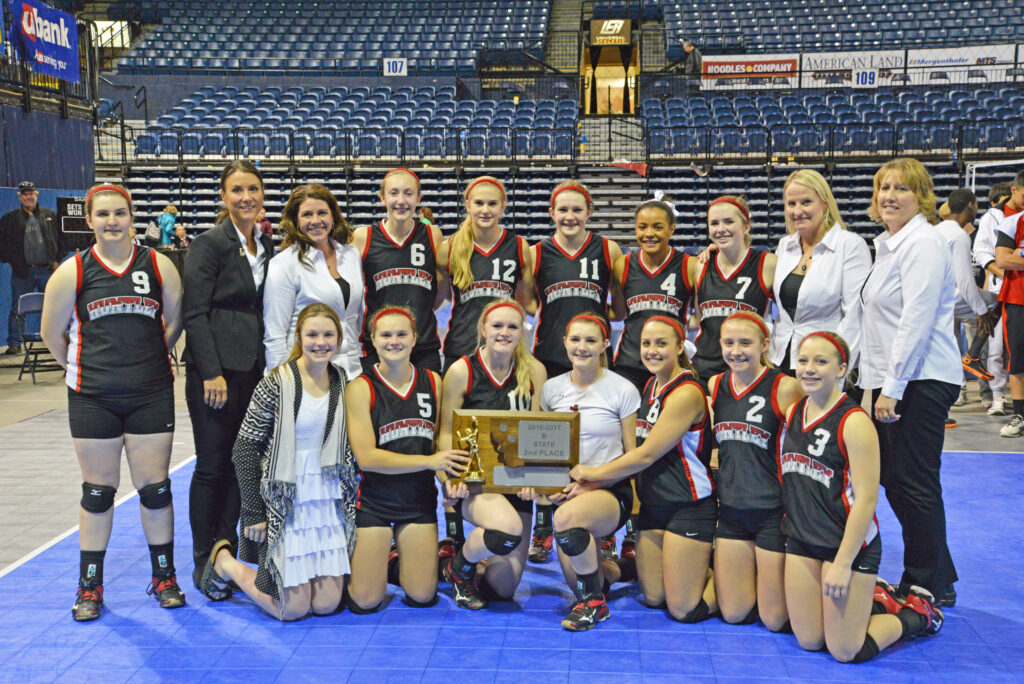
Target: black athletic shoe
948, 599
166, 592
467, 594
921, 601
608, 548
540, 547
586, 613
976, 368
88, 602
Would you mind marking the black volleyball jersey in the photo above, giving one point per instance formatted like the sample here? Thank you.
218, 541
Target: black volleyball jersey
404, 424
496, 274
665, 291
402, 274
117, 342
683, 473
569, 285
486, 392
717, 297
748, 428
816, 488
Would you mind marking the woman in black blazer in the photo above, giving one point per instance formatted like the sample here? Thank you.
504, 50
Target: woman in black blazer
223, 311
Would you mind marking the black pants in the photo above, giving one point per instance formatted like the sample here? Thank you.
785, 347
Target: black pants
213, 501
911, 455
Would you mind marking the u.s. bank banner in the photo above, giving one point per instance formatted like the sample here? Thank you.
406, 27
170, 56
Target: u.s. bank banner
736, 72
45, 39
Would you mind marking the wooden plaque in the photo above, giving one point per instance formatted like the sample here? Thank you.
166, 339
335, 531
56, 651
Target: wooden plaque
517, 449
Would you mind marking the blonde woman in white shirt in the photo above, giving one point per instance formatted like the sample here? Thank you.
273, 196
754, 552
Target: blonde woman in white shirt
317, 263
911, 363
820, 271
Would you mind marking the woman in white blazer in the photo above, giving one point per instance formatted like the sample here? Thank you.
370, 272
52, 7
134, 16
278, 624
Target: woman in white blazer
820, 271
317, 263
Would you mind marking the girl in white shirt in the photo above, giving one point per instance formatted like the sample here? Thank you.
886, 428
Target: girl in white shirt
607, 404
820, 270
317, 263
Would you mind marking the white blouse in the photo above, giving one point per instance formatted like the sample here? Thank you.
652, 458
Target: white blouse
908, 312
291, 286
829, 296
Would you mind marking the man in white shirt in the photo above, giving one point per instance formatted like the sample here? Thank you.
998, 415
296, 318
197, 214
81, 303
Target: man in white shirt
972, 301
985, 255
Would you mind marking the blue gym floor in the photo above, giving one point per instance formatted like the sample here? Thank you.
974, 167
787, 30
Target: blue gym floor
982, 641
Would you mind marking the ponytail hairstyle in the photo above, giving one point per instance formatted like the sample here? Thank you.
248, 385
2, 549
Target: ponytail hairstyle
841, 347
236, 166
599, 322
677, 328
461, 248
664, 207
739, 202
108, 189
521, 358
311, 311
752, 319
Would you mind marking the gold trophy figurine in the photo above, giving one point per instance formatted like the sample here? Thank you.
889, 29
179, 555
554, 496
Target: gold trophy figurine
475, 470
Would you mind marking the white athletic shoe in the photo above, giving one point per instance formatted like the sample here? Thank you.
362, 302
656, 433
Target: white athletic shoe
998, 407
962, 399
1015, 428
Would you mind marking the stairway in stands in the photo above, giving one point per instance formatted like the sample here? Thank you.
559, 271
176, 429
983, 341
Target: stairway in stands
560, 49
616, 193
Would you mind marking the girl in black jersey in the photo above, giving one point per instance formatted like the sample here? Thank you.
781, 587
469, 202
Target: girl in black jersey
109, 317
749, 402
732, 278
392, 421
655, 281
573, 274
673, 479
485, 262
500, 375
830, 468
400, 267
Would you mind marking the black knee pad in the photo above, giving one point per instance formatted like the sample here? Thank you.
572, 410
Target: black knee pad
157, 495
699, 613
573, 541
356, 608
500, 543
751, 617
413, 603
97, 498
868, 651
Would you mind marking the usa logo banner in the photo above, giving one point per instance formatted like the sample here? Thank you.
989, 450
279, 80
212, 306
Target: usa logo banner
45, 39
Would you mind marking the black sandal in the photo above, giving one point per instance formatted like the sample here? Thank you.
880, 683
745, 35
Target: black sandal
212, 584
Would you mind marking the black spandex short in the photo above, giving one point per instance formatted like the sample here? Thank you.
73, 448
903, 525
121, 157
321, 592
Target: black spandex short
623, 493
521, 505
365, 518
691, 520
867, 560
109, 416
1013, 338
763, 526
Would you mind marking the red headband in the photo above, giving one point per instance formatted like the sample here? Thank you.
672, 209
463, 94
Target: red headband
493, 182
746, 315
668, 321
392, 310
493, 306
729, 200
408, 171
830, 338
593, 319
109, 188
574, 188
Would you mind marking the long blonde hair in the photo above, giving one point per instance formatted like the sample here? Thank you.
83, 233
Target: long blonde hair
521, 358
816, 183
739, 203
752, 319
916, 177
461, 248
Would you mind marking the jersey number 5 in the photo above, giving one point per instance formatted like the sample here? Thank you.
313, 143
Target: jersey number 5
426, 408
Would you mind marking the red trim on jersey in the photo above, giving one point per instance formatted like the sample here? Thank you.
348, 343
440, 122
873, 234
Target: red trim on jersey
469, 378
433, 385
686, 272
655, 272
520, 242
127, 268
625, 268
536, 260
686, 469
408, 391
366, 247
700, 278
1006, 345
718, 385
736, 270
572, 257
760, 279
373, 392
489, 252
803, 415
846, 459
779, 413
732, 387
490, 376
78, 328
606, 250
430, 239
79, 268
156, 268
391, 239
